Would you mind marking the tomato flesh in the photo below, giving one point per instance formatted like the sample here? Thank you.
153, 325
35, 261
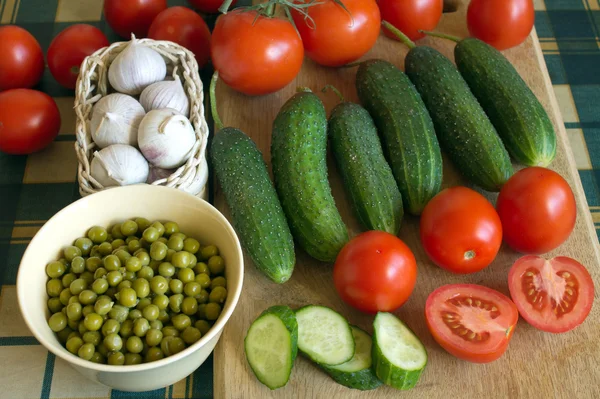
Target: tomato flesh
471, 322
553, 295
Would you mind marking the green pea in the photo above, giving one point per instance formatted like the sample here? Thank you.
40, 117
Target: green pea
95, 252
143, 303
73, 344
67, 279
203, 326
129, 228
112, 263
74, 311
145, 244
141, 327
175, 243
181, 321
170, 331
114, 278
86, 351
119, 313
110, 326
63, 335
133, 264
216, 265
93, 321
191, 335
151, 234
209, 251
218, 282
87, 277
202, 297
144, 257
87, 297
92, 264
176, 286
164, 317
158, 251
116, 359
74, 324
99, 273
159, 285
172, 345
77, 265
153, 337
218, 295
146, 272
142, 223
175, 302
56, 269
64, 296
54, 287
115, 231
134, 344
200, 268
84, 244
156, 324
191, 245
192, 289
98, 357
154, 354
55, 305
103, 305
87, 309
57, 322
151, 312
99, 286
135, 314
169, 256
92, 337
123, 255
81, 328
166, 269
124, 284
154, 265
127, 297
181, 259
73, 334
171, 228
132, 358
71, 252
212, 310
73, 299
161, 301
111, 292
141, 287
203, 279
180, 235
129, 276
163, 240
126, 330
105, 248
201, 311
186, 275
189, 306
193, 261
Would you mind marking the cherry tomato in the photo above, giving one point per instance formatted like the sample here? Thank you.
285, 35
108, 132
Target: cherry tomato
537, 209
410, 16
501, 23
21, 58
333, 36
470, 321
460, 230
375, 272
209, 6
185, 27
132, 16
68, 50
553, 295
255, 56
29, 121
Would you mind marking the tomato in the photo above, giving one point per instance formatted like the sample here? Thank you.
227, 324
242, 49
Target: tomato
501, 23
410, 16
209, 6
470, 321
132, 16
375, 271
185, 27
21, 58
253, 55
553, 295
537, 209
332, 37
29, 121
460, 230
68, 50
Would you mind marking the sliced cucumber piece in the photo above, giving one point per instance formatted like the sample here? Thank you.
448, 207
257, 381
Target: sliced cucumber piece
324, 335
271, 346
357, 372
398, 356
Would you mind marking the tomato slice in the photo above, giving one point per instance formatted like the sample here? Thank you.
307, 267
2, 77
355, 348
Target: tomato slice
470, 321
553, 295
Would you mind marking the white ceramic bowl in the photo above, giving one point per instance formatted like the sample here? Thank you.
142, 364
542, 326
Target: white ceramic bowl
196, 218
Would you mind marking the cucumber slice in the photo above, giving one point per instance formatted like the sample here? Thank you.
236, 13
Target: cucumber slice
324, 335
271, 346
357, 372
398, 356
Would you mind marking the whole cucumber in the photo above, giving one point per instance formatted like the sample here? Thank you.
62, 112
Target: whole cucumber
407, 131
367, 177
298, 157
516, 113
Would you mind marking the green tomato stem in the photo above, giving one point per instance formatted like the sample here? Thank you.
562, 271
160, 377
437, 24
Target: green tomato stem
401, 36
442, 35
225, 6
213, 101
335, 90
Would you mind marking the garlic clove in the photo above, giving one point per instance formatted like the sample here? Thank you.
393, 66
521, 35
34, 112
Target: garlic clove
135, 68
115, 120
119, 165
166, 94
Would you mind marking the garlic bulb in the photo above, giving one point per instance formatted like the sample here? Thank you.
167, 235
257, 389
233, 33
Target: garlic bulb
119, 165
158, 174
115, 120
166, 94
166, 138
135, 68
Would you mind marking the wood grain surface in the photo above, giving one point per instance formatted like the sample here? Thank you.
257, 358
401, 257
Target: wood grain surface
536, 364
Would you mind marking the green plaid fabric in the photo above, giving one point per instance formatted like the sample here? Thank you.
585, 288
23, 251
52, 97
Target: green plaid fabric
569, 32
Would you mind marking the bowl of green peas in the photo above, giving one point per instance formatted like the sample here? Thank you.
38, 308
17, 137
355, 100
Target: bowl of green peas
132, 286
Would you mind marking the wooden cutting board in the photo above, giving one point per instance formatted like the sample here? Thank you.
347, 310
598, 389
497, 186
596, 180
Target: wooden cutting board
536, 365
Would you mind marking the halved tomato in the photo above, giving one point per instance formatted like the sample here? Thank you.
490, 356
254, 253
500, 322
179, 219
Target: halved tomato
470, 321
554, 295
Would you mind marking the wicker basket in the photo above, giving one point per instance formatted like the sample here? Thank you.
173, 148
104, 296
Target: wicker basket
92, 85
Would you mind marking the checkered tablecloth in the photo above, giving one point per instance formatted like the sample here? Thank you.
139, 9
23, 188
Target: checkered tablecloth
569, 32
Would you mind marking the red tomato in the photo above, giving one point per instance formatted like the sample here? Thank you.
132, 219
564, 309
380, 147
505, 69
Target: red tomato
375, 272
132, 16
185, 27
410, 16
68, 50
255, 56
553, 295
501, 23
537, 209
29, 121
21, 58
209, 6
470, 321
332, 37
460, 230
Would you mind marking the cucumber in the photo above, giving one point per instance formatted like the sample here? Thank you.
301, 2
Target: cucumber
519, 118
256, 213
399, 357
368, 179
406, 129
357, 373
298, 151
324, 335
271, 346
